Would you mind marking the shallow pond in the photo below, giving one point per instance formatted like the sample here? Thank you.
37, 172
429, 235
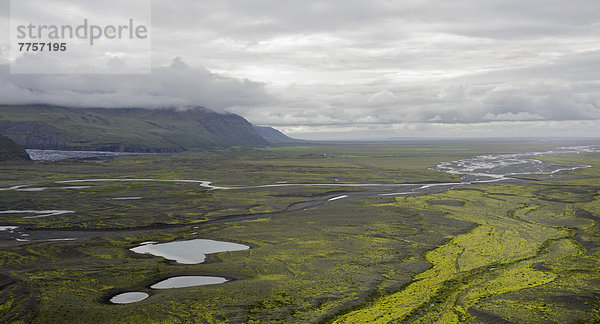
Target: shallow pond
188, 252
188, 281
129, 297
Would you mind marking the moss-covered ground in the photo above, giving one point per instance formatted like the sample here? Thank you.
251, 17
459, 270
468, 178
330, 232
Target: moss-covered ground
522, 251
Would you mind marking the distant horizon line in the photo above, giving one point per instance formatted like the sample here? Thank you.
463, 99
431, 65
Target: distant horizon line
399, 139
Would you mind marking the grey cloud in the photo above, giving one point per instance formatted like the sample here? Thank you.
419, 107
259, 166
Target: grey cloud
544, 99
445, 103
176, 85
265, 18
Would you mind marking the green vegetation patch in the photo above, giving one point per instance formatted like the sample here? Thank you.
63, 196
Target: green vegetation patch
512, 251
525, 251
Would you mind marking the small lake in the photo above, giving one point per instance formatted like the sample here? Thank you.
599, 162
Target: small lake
188, 281
129, 297
188, 252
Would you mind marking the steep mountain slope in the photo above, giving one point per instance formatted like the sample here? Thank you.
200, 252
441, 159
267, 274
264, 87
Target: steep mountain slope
10, 151
126, 129
274, 136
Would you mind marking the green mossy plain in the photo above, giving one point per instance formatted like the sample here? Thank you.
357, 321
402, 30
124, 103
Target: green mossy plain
524, 251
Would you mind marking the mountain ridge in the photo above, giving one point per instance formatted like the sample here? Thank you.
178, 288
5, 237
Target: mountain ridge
126, 129
274, 136
10, 151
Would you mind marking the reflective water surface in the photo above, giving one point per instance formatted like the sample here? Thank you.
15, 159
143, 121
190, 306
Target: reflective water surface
188, 252
129, 297
188, 281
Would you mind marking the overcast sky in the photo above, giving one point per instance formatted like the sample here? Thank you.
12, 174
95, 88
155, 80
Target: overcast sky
358, 69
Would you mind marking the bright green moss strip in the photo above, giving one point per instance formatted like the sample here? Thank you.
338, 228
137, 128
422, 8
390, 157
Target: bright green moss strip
495, 258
